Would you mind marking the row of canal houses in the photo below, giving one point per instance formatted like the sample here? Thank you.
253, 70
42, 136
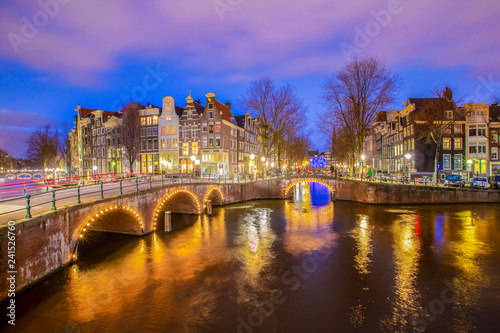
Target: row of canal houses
469, 144
196, 139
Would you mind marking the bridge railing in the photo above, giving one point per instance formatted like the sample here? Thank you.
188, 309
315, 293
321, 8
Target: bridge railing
64, 194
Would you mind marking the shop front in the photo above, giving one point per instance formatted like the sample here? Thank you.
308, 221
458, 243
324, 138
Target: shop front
149, 163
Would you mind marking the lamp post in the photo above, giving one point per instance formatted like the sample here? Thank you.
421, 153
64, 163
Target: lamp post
469, 168
408, 156
263, 159
192, 162
363, 166
95, 169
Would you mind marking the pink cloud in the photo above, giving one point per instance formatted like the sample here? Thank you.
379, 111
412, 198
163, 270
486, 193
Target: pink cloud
88, 38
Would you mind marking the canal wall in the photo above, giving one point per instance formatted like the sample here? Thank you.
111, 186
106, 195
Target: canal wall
391, 194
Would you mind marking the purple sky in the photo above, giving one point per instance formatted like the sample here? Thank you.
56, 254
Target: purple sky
93, 52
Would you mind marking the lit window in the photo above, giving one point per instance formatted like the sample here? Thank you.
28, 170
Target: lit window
458, 143
174, 130
168, 117
217, 127
494, 153
185, 148
174, 143
143, 121
155, 120
148, 121
446, 143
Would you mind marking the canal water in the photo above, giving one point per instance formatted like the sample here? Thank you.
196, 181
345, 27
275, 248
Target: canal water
302, 265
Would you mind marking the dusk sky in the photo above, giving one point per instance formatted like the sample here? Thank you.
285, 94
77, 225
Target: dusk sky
57, 54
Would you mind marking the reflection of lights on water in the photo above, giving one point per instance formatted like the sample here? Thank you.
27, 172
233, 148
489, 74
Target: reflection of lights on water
364, 249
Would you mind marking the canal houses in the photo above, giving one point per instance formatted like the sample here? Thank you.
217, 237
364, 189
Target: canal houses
168, 125
189, 137
149, 154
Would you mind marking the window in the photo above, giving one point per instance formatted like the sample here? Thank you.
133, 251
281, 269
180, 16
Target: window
185, 131
481, 130
481, 147
204, 142
211, 142
168, 130
162, 143
103, 152
194, 131
472, 150
448, 114
93, 131
155, 120
217, 141
162, 131
148, 131
494, 153
458, 143
169, 143
148, 120
98, 153
447, 162
457, 162
472, 130
155, 131
93, 141
457, 129
109, 142
190, 115
155, 144
143, 121
210, 106
494, 136
98, 123
211, 115
150, 144
168, 117
174, 143
185, 148
174, 130
195, 148
447, 130
217, 127
210, 129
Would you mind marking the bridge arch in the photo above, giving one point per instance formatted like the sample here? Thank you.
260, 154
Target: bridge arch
24, 175
306, 180
172, 203
101, 220
215, 194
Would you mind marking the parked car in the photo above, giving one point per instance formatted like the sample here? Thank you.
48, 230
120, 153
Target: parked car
479, 182
454, 180
495, 181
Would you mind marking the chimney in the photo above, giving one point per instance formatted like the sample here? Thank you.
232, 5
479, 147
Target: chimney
228, 106
448, 94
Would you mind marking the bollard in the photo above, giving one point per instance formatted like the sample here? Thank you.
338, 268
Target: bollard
161, 180
181, 177
102, 192
121, 192
150, 183
78, 195
46, 187
53, 199
168, 221
208, 205
28, 207
136, 184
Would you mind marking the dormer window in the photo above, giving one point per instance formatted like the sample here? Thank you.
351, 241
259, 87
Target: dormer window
448, 114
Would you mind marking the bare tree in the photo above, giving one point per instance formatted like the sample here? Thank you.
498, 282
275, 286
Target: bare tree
130, 132
4, 158
356, 93
43, 147
435, 120
280, 110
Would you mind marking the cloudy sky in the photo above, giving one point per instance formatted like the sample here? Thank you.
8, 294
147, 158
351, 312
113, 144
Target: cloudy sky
55, 54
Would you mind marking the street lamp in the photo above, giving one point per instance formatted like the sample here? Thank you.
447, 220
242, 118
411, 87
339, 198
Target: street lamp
363, 166
192, 162
408, 156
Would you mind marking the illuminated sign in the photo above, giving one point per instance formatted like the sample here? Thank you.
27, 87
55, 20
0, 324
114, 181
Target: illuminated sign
317, 162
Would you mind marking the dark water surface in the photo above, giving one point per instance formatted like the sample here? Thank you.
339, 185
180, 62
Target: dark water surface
306, 265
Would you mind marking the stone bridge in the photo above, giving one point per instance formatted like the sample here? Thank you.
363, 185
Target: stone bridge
50, 241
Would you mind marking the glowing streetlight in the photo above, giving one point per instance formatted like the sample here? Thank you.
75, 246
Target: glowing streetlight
408, 156
192, 162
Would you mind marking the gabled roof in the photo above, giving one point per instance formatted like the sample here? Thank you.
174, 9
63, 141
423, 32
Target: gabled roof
199, 108
495, 113
420, 102
226, 113
179, 110
240, 121
381, 117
